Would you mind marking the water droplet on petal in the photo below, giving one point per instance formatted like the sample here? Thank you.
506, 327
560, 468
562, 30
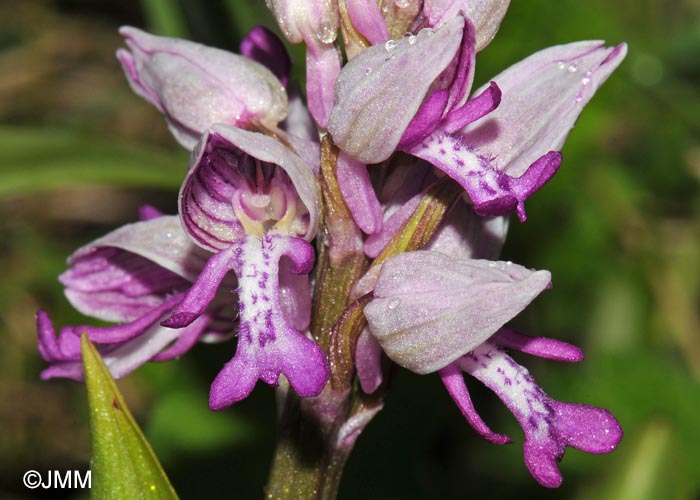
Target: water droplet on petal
572, 68
394, 304
492, 264
368, 71
326, 34
390, 45
561, 65
412, 39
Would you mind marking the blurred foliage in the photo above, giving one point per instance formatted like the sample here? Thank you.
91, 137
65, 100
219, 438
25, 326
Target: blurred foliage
619, 227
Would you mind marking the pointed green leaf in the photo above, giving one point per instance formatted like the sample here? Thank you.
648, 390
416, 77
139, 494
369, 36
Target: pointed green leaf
123, 463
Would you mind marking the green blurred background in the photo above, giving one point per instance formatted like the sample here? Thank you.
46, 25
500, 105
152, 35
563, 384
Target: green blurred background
619, 227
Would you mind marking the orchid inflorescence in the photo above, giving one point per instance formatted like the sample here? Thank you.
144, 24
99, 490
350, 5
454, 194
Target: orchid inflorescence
392, 173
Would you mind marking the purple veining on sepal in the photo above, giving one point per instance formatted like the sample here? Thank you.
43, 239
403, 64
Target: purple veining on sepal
549, 425
196, 86
263, 46
243, 182
541, 347
134, 275
127, 272
267, 344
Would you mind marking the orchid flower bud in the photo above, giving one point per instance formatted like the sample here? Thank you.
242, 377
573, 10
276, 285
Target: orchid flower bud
314, 22
196, 86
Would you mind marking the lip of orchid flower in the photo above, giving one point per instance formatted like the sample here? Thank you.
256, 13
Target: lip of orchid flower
135, 276
424, 321
549, 426
196, 86
255, 203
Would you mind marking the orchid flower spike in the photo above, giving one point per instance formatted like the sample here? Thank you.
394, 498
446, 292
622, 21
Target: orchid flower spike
500, 145
196, 86
134, 276
255, 204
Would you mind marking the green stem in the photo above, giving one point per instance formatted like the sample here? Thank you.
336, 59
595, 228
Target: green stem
310, 457
307, 464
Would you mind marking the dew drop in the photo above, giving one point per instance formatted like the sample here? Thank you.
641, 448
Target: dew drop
412, 39
394, 304
586, 78
427, 31
368, 71
561, 65
509, 263
572, 68
492, 264
326, 34
390, 45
